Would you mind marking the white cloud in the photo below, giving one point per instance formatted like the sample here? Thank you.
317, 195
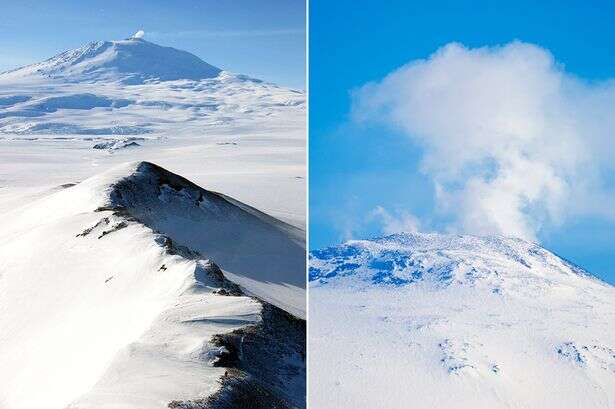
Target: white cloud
402, 222
139, 34
512, 142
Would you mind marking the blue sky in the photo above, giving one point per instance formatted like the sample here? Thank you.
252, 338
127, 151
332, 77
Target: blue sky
263, 39
355, 168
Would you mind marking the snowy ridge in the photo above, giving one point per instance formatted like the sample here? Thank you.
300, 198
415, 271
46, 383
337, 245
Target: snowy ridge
493, 322
260, 253
120, 304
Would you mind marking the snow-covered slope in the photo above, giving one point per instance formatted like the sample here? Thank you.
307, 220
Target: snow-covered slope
434, 321
109, 295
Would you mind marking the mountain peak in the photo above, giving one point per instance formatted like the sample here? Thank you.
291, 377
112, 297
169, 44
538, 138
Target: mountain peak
130, 61
501, 263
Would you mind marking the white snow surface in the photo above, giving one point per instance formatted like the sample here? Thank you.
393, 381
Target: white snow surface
446, 321
96, 321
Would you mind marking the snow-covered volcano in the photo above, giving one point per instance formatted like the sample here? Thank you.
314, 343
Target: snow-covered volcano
131, 61
113, 291
433, 320
111, 95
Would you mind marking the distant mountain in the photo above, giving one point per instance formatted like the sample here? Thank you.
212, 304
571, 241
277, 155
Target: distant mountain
458, 321
107, 91
131, 61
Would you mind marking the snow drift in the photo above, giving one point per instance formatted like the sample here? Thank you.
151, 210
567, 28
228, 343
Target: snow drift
433, 320
110, 291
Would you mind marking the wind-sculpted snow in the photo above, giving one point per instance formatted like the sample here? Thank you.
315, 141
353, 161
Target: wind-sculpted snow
53, 104
11, 100
111, 295
433, 320
179, 107
59, 128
